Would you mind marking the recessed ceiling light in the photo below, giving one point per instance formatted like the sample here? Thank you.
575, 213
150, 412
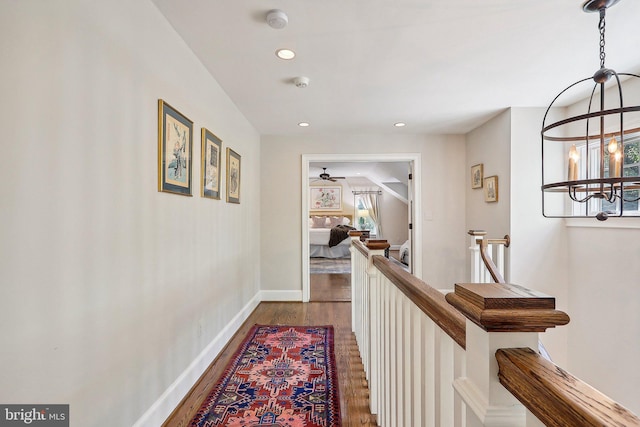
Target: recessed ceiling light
399, 124
285, 54
303, 124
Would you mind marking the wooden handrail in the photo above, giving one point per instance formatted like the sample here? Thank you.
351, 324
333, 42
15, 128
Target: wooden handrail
431, 301
554, 396
488, 262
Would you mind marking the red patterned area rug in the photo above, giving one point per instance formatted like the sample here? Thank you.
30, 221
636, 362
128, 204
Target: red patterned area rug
281, 376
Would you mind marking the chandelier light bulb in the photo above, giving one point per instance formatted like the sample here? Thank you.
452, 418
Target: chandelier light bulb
613, 145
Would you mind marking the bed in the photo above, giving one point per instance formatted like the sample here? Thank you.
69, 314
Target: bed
319, 234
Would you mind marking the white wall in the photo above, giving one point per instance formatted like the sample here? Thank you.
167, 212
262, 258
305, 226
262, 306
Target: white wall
395, 219
443, 207
110, 289
538, 252
604, 333
489, 144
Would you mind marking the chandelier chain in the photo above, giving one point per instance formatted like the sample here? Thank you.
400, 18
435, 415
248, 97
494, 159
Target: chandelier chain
601, 27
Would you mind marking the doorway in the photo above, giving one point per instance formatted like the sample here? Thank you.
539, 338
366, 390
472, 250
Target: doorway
413, 211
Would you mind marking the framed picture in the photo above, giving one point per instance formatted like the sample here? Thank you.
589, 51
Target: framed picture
476, 176
211, 162
491, 189
325, 198
175, 147
233, 176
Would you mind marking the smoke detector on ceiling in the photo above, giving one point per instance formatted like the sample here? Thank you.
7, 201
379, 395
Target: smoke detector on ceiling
277, 19
301, 82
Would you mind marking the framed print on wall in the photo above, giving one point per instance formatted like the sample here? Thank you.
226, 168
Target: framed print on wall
476, 176
233, 176
325, 198
210, 165
175, 148
491, 189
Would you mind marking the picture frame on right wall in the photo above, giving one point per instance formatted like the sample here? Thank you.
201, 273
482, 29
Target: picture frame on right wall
491, 189
476, 176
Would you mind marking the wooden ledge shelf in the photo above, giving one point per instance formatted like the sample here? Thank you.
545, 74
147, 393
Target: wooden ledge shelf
556, 397
499, 307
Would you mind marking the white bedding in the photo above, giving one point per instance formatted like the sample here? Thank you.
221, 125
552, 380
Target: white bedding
319, 245
319, 236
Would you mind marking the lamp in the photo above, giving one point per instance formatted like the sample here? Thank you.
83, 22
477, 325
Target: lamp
362, 215
600, 174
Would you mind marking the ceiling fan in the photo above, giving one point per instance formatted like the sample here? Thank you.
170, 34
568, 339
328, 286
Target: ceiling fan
326, 177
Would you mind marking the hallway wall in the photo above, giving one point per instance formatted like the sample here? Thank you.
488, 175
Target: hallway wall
110, 289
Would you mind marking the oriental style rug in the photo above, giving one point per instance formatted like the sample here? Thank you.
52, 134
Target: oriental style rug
281, 376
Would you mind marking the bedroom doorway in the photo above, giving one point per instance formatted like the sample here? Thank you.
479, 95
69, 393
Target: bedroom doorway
326, 277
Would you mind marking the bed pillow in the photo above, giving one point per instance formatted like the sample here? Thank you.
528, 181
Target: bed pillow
335, 220
319, 222
346, 220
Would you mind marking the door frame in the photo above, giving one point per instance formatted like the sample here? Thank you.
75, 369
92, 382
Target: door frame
416, 240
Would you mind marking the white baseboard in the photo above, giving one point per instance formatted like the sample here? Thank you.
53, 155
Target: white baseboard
169, 400
281, 296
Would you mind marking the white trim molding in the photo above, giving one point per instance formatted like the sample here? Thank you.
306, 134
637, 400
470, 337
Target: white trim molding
489, 415
281, 295
173, 395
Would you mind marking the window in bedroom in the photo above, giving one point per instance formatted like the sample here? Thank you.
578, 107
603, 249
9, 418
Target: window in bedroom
367, 212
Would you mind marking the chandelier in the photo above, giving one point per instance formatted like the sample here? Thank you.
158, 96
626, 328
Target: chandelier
591, 149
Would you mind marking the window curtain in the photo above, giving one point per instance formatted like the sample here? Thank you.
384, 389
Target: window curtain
370, 202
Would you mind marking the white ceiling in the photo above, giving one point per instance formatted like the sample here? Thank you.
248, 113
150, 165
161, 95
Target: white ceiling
441, 67
363, 173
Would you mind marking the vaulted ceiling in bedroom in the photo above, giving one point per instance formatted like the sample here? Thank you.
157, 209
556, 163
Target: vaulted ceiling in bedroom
364, 175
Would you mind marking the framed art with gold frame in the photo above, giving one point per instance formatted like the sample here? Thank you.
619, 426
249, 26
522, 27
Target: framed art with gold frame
491, 189
476, 176
233, 176
175, 149
211, 165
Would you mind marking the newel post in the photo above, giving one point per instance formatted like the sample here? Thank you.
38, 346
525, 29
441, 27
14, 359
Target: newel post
498, 316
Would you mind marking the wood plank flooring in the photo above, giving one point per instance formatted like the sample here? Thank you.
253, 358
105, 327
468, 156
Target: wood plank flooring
353, 389
330, 287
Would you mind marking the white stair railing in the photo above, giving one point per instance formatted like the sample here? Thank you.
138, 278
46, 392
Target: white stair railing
493, 251
430, 359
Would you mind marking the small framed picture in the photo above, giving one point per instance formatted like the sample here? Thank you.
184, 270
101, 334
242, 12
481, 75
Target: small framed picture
233, 176
175, 147
210, 168
491, 189
476, 176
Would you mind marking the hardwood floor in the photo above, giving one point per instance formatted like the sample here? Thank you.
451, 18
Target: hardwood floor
330, 287
353, 389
